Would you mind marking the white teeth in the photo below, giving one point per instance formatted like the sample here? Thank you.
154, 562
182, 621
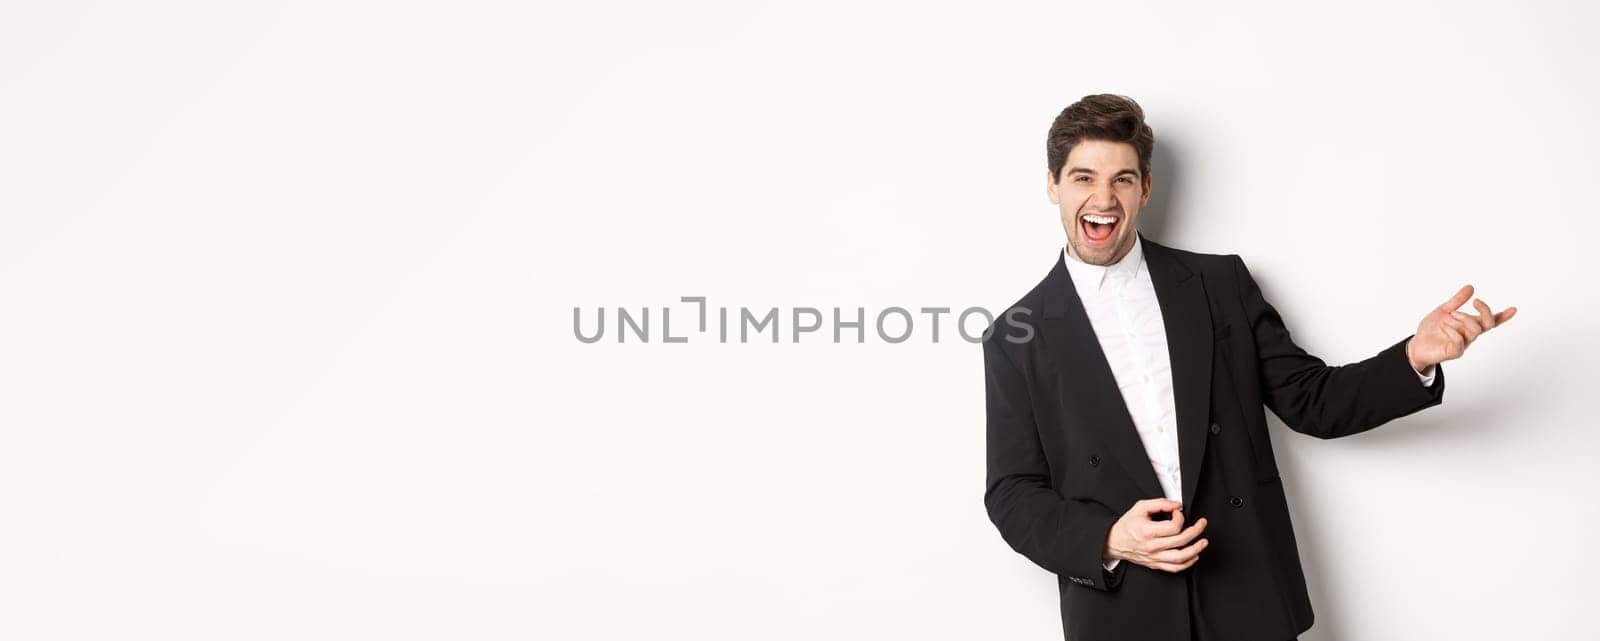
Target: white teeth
1100, 220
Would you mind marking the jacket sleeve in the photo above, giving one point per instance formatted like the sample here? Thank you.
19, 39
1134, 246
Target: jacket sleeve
1065, 537
1329, 402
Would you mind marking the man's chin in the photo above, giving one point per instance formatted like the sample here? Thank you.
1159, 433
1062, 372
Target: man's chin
1096, 255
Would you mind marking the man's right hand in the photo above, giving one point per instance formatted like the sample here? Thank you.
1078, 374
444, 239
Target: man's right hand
1159, 545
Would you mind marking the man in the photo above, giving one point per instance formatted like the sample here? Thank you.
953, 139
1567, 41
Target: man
1128, 451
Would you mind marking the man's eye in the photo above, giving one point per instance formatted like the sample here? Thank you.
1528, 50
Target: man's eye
1125, 179
1083, 179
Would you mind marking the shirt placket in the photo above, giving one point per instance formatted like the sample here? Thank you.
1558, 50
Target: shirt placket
1129, 322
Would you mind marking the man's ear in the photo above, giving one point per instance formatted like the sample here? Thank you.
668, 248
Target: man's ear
1143, 200
1050, 187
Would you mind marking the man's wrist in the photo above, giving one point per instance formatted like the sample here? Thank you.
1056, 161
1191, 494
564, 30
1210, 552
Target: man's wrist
1422, 369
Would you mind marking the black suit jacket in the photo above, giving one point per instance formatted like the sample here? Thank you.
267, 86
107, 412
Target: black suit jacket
1065, 462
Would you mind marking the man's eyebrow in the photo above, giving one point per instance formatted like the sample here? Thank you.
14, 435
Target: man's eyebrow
1086, 170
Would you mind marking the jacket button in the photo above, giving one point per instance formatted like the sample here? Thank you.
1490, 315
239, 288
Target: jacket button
1215, 428
1094, 459
1236, 502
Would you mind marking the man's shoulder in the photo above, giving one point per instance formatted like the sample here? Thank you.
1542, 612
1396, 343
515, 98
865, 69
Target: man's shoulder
1211, 265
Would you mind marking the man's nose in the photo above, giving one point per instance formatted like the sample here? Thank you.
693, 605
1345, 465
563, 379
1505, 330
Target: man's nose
1103, 199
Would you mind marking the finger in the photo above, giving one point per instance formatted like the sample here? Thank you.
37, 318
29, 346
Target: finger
1173, 567
1505, 315
1462, 329
1453, 334
1468, 325
1150, 506
1178, 540
1157, 529
1156, 544
1173, 525
1456, 301
1183, 554
1485, 315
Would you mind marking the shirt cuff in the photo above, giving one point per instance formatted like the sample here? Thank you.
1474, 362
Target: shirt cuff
1110, 565
1427, 379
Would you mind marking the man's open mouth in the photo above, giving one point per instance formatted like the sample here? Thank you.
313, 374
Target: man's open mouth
1098, 229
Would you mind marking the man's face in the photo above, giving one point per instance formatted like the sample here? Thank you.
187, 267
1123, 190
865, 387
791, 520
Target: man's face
1100, 193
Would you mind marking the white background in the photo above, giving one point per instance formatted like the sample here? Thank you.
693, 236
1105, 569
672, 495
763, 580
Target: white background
286, 342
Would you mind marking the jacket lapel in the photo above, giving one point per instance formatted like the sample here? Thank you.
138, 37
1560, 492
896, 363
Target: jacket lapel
1187, 318
1089, 390
1090, 396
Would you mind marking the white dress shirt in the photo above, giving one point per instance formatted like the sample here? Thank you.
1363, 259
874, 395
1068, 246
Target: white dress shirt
1120, 301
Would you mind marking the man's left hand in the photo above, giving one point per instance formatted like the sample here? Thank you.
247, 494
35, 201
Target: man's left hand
1445, 333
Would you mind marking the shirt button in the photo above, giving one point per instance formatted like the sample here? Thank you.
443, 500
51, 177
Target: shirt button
1215, 429
1236, 502
1094, 460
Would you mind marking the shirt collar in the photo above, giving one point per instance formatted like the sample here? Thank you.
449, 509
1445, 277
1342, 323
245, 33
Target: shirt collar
1088, 278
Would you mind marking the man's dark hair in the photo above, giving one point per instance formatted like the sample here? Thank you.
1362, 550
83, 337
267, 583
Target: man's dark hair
1103, 116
